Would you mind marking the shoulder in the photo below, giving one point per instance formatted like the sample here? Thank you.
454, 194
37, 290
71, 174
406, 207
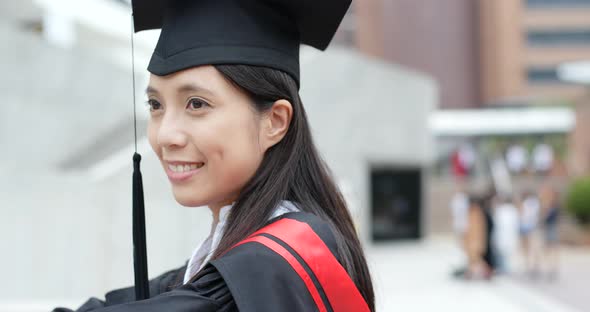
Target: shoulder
295, 232
307, 227
273, 267
290, 263
303, 223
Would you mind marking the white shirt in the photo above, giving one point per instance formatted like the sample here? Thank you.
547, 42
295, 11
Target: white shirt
530, 212
205, 250
506, 228
516, 158
459, 208
543, 157
467, 156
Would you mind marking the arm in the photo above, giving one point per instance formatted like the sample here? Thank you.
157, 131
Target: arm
184, 299
89, 305
158, 285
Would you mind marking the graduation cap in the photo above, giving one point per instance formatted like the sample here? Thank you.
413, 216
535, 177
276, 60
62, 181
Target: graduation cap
250, 32
211, 32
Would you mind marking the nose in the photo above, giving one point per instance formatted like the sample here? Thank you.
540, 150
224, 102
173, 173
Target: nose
170, 133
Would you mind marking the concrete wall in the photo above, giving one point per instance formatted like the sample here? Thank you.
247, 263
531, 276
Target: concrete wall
367, 113
63, 234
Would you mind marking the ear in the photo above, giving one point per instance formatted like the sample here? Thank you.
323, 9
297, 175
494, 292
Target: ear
275, 124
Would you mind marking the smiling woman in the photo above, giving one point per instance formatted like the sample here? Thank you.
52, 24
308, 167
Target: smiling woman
208, 135
231, 133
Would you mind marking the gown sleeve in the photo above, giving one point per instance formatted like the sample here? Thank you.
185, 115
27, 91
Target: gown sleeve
251, 276
208, 293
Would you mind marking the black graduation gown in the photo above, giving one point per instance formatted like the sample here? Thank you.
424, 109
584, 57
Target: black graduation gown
289, 265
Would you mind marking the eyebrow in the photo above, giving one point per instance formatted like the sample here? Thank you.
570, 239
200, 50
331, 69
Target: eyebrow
151, 89
185, 88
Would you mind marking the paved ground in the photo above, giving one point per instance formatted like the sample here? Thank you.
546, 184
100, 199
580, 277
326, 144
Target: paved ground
415, 277
571, 286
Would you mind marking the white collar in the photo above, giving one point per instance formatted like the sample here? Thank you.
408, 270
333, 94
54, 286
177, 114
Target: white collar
202, 254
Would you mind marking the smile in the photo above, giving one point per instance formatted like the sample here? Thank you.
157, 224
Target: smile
185, 167
182, 171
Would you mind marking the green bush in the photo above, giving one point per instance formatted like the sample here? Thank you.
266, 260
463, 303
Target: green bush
578, 200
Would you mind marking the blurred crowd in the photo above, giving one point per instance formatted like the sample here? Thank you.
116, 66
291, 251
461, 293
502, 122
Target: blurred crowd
504, 234
520, 159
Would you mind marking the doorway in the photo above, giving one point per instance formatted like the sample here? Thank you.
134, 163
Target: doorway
396, 203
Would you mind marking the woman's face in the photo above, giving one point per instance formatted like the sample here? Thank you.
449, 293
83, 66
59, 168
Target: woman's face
206, 133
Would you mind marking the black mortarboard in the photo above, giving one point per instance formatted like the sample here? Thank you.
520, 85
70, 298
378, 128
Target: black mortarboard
211, 32
251, 32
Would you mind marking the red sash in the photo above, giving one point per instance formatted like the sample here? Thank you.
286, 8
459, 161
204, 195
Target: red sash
340, 290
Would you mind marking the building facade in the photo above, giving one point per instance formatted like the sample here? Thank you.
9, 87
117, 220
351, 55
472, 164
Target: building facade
483, 52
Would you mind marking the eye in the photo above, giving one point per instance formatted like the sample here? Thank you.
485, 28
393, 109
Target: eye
153, 105
196, 104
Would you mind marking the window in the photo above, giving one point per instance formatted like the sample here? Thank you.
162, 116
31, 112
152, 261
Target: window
543, 75
557, 3
569, 37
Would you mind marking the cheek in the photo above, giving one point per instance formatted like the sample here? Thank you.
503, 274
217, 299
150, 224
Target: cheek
236, 153
152, 134
233, 155
230, 148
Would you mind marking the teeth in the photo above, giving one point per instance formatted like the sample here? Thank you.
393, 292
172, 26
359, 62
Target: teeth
185, 168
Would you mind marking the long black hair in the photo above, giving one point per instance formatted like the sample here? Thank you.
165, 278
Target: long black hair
291, 170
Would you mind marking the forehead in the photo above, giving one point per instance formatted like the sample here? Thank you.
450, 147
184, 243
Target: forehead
201, 78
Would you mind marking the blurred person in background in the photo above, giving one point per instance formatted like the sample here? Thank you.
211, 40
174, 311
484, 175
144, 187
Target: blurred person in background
550, 217
542, 158
458, 168
467, 156
476, 241
505, 234
459, 206
489, 255
530, 210
516, 158
463, 161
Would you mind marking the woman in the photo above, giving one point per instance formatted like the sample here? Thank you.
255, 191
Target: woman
529, 232
229, 128
550, 206
476, 240
505, 235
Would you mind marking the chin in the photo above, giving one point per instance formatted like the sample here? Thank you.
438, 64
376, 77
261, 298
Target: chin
189, 199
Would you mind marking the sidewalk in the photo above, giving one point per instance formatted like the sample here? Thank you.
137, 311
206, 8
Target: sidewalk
416, 277
573, 280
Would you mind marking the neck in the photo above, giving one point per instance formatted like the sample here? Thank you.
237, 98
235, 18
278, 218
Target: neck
216, 209
215, 212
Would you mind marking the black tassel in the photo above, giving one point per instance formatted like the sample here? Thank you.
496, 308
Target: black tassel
142, 290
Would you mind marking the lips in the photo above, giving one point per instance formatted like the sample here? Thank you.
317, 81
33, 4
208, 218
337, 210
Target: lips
182, 171
185, 167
